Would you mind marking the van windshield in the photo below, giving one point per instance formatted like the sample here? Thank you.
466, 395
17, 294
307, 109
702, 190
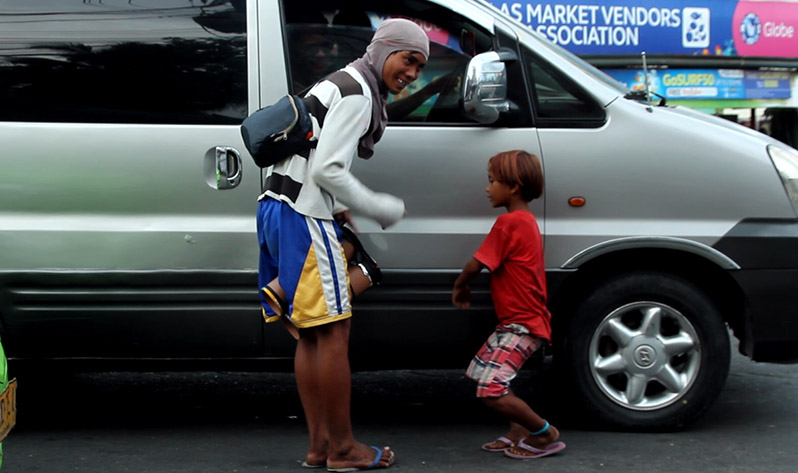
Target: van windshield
580, 63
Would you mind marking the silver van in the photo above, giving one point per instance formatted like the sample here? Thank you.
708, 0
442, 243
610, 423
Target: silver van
127, 200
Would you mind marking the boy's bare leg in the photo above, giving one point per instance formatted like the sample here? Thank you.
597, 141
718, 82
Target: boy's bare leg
540, 441
334, 396
517, 411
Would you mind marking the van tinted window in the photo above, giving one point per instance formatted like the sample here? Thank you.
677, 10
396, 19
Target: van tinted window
558, 101
160, 62
322, 38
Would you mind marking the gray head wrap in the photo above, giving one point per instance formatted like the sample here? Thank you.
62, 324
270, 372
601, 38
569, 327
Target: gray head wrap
396, 34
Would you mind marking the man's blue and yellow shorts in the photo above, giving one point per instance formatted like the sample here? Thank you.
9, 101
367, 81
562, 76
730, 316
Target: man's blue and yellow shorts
307, 255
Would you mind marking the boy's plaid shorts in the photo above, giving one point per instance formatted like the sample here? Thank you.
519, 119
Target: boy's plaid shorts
498, 361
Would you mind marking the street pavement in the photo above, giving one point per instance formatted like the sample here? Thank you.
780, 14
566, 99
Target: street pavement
252, 422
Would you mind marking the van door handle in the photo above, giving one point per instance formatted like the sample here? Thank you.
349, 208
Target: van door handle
223, 167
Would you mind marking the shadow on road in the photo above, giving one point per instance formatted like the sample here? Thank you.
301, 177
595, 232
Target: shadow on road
63, 399
119, 399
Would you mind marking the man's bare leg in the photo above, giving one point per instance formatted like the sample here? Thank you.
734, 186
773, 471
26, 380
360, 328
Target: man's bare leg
335, 386
307, 379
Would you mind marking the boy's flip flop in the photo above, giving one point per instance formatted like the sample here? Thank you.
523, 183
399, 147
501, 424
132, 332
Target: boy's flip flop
372, 466
509, 443
549, 449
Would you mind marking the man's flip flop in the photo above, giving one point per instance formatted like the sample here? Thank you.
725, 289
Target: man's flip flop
276, 300
509, 443
549, 449
289, 324
372, 466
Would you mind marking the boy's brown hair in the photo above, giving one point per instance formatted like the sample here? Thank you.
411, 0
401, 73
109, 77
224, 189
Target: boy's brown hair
517, 167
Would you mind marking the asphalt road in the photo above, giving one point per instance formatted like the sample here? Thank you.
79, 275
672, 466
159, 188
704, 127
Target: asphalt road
251, 422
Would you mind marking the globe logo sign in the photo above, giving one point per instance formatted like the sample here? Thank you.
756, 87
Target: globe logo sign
695, 32
750, 28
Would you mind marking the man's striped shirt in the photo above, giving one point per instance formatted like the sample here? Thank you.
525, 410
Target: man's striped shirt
319, 184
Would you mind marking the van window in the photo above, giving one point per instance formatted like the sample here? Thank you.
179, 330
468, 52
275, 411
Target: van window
557, 101
159, 62
322, 38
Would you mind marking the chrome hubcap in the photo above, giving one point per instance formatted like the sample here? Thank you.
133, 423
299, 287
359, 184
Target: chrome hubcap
645, 355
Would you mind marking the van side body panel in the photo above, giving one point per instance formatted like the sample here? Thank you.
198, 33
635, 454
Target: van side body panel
115, 243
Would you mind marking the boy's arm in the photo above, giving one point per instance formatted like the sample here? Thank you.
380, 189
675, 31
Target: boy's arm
461, 295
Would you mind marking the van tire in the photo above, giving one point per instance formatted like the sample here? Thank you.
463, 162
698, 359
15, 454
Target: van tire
646, 351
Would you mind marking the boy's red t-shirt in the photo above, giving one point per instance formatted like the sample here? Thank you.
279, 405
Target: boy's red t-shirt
513, 251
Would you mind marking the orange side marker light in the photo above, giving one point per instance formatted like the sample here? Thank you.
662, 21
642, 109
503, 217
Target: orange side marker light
577, 201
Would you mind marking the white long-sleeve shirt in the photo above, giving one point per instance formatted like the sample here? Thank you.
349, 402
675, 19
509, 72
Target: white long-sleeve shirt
320, 184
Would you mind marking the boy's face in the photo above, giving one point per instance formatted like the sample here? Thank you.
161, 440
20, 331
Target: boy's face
499, 193
401, 68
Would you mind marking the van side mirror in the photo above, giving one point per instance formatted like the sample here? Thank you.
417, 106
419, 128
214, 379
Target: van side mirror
485, 85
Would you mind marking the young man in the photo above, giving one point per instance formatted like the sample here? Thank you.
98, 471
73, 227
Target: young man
298, 218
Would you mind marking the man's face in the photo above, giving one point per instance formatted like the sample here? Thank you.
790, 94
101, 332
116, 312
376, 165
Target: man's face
401, 68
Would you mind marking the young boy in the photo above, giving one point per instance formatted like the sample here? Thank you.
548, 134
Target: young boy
513, 252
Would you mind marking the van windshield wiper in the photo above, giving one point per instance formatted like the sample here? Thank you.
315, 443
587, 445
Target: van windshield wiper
640, 95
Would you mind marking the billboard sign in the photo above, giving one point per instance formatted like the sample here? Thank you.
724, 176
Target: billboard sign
679, 27
682, 84
766, 28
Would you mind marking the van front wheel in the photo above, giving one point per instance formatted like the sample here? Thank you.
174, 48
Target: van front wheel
647, 351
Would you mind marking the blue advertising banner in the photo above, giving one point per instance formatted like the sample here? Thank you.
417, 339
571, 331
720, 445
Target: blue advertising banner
681, 84
767, 85
625, 27
750, 28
